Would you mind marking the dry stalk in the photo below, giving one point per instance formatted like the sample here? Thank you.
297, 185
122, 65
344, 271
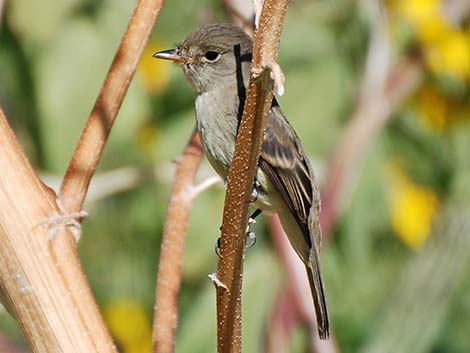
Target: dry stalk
48, 295
241, 177
42, 282
173, 241
241, 13
98, 127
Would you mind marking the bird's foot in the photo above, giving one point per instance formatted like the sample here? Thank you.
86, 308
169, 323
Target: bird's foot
250, 240
254, 193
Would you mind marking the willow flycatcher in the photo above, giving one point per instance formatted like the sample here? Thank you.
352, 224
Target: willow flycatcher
216, 60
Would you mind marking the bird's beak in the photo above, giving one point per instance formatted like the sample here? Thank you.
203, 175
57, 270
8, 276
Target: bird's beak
171, 54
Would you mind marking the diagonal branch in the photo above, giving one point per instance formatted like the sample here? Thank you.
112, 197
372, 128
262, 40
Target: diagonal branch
98, 127
241, 13
171, 255
242, 174
48, 295
42, 282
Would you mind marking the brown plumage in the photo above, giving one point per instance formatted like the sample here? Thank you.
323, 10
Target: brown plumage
216, 60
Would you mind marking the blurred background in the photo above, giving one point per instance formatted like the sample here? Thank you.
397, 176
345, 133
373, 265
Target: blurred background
378, 93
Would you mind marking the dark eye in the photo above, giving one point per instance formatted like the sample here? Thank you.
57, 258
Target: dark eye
211, 55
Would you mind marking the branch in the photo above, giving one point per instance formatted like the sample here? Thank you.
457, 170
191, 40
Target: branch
42, 281
242, 174
98, 127
48, 295
173, 241
241, 13
121, 179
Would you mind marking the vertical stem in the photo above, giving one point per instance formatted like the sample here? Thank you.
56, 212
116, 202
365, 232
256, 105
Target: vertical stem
171, 255
241, 177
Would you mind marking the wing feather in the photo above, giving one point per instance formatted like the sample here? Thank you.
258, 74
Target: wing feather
288, 168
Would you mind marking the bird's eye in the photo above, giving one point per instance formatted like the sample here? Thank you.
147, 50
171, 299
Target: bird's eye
211, 55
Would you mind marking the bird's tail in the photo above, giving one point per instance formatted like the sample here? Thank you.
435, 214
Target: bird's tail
318, 294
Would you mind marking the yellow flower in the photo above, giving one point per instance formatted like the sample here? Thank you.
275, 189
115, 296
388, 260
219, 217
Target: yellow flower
433, 31
418, 11
451, 56
155, 74
433, 107
413, 208
439, 111
446, 48
144, 347
130, 325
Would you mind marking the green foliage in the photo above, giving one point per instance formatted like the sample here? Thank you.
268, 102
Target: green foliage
54, 56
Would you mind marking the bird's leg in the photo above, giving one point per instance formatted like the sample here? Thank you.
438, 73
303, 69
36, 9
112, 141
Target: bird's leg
254, 193
250, 236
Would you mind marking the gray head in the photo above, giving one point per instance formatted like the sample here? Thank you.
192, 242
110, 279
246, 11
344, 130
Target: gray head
210, 55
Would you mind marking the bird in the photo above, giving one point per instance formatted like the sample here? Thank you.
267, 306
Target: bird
216, 61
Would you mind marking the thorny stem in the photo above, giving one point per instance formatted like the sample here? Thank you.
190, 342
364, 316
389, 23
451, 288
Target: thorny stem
242, 174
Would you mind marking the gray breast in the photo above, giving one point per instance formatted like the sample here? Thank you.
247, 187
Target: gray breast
216, 116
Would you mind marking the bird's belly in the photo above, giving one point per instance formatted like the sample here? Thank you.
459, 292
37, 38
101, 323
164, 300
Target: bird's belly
217, 124
216, 115
218, 159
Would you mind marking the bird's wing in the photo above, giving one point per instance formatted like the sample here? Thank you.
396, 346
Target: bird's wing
288, 168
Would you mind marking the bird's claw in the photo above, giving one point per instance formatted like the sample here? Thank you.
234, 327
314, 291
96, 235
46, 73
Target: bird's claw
254, 193
217, 246
250, 240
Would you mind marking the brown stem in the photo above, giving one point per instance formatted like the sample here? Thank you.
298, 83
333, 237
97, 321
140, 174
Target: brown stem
241, 177
241, 13
171, 255
49, 296
95, 134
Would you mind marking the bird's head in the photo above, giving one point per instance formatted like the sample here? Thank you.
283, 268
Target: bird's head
211, 56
